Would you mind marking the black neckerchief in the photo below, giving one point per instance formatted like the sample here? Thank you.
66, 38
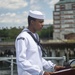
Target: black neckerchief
38, 43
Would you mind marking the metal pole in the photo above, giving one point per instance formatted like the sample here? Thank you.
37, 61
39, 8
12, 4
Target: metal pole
64, 59
11, 64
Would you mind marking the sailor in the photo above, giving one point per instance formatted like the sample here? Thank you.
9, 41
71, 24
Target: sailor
28, 52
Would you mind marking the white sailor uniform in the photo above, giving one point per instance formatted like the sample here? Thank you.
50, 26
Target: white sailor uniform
29, 56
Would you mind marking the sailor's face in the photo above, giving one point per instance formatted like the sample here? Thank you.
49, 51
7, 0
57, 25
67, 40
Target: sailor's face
38, 24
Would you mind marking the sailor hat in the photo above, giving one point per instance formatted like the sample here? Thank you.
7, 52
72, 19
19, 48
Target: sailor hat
36, 14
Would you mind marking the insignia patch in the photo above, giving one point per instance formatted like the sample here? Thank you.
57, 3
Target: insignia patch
21, 38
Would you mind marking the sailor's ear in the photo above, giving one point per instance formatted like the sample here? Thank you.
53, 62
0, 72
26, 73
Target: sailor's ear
32, 21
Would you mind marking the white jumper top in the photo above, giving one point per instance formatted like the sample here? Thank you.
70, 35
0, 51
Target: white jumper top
29, 56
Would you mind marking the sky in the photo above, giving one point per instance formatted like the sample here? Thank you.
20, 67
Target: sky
13, 13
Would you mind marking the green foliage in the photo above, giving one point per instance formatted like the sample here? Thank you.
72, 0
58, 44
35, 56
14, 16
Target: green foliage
11, 34
14, 32
4, 33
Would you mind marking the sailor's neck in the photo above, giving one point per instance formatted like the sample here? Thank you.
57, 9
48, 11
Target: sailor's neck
30, 29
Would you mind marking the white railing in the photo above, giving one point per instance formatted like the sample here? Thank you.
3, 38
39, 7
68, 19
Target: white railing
63, 58
11, 58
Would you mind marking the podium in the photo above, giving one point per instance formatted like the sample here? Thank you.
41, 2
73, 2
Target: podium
70, 71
